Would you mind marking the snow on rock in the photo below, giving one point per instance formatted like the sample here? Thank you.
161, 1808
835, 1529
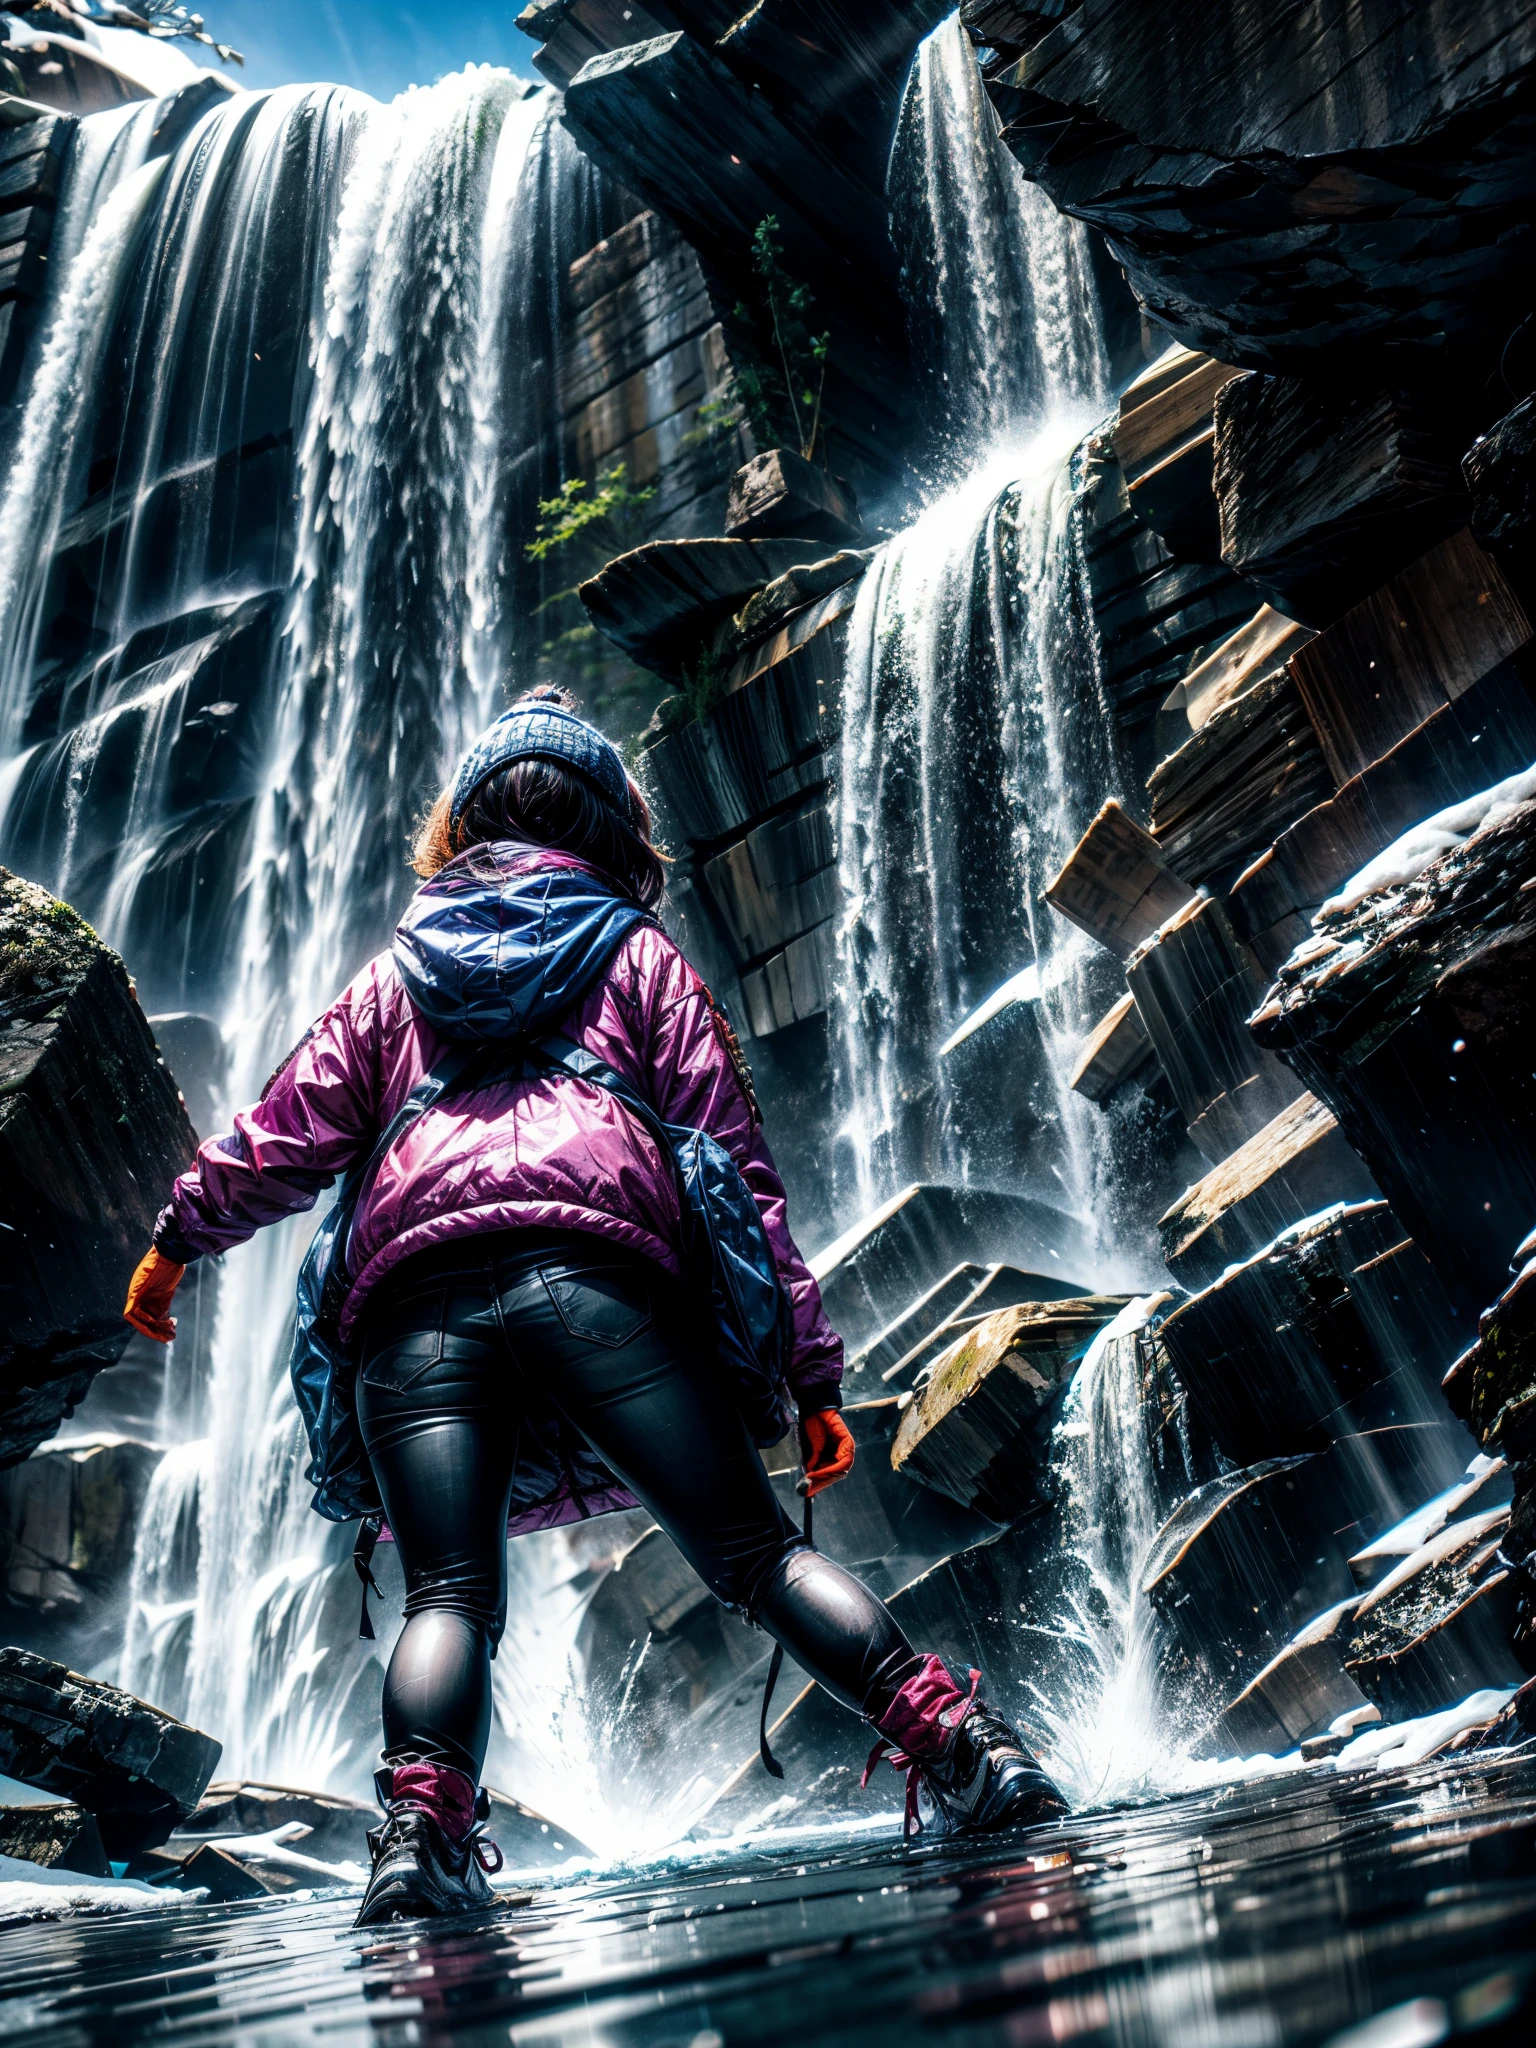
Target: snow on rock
30, 1892
1381, 1748
1407, 858
276, 1846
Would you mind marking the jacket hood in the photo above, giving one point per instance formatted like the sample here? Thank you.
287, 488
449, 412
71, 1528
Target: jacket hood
506, 940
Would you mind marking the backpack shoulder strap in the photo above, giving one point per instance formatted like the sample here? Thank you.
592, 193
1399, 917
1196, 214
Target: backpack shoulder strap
555, 1051
461, 1065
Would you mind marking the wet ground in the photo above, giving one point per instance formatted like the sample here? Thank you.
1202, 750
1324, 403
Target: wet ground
1402, 1900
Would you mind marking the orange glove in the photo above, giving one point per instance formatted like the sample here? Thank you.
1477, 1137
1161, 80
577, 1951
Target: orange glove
148, 1308
827, 1443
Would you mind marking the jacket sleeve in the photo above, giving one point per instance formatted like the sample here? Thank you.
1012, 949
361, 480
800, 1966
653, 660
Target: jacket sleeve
315, 1116
693, 1079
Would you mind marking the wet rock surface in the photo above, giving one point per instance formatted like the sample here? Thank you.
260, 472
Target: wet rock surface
1107, 1927
1296, 1165
1438, 627
69, 1518
1406, 1015
1325, 492
52, 1833
872, 1274
979, 1429
1339, 1325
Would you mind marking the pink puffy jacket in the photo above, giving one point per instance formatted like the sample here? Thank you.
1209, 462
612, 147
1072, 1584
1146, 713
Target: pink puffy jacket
556, 1153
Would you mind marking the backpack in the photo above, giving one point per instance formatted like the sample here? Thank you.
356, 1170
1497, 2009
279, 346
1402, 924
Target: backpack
726, 1254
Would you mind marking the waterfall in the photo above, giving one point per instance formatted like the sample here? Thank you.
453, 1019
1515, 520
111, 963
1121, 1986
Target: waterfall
162, 1586
976, 738
999, 286
977, 743
290, 409
393, 654
292, 406
146, 473
1110, 1735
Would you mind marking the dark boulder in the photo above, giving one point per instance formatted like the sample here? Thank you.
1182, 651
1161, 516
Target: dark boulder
1500, 471
1340, 1326
1114, 1051
779, 492
92, 1133
1493, 1385
53, 1832
1296, 1697
33, 149
1157, 615
903, 1353
876, 1269
1410, 1014
661, 602
1252, 769
1441, 1624
1116, 883
138, 1770
1297, 1165
1194, 985
1249, 1559
1487, 731
979, 1430
1425, 639
1280, 180
68, 1519
1324, 493
1164, 442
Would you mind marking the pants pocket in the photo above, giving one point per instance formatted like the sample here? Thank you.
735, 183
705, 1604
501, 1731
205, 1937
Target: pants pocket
606, 1306
394, 1359
397, 1364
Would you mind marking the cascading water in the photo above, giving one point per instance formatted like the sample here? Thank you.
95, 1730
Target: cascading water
977, 743
289, 419
1108, 1727
1000, 288
288, 425
976, 738
145, 507
395, 651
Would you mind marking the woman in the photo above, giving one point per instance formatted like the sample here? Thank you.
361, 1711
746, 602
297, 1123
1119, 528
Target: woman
523, 1345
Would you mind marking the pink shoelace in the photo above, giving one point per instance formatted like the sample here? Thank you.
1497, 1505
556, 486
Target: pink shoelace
890, 1751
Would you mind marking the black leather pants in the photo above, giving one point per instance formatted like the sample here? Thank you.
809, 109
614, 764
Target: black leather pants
472, 1362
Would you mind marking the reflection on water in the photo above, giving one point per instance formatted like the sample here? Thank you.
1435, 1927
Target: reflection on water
1235, 1920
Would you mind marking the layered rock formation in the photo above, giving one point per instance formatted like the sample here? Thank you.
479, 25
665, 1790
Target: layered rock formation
1310, 627
1288, 182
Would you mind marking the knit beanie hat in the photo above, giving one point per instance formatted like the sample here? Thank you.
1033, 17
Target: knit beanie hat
541, 728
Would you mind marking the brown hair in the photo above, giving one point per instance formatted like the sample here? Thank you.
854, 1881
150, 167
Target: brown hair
545, 803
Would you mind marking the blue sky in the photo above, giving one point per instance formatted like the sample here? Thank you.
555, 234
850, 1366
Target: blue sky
379, 47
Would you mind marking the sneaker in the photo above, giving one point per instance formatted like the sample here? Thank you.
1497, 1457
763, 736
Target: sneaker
976, 1770
429, 1857
989, 1780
